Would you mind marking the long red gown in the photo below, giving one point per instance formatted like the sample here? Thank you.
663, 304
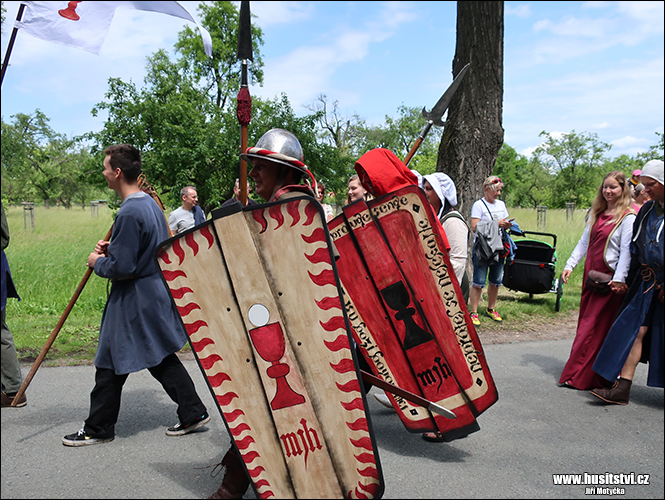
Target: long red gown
597, 313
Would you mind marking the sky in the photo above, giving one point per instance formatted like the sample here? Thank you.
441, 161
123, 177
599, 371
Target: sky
588, 67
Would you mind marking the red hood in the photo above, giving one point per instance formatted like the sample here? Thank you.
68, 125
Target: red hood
386, 172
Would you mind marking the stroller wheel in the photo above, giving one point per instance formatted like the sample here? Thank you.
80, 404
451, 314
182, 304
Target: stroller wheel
559, 294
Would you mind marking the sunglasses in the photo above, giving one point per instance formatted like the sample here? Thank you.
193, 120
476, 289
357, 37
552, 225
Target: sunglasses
497, 181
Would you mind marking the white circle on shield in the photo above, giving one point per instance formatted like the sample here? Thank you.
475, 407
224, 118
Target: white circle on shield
258, 315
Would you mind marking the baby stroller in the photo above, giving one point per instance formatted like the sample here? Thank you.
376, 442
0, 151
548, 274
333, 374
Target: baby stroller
533, 268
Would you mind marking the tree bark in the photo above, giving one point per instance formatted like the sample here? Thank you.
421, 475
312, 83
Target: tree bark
473, 134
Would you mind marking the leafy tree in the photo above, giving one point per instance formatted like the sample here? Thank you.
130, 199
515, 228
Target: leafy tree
340, 132
655, 152
220, 74
182, 118
577, 160
38, 163
526, 182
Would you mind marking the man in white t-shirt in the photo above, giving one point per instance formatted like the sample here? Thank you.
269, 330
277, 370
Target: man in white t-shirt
487, 208
189, 214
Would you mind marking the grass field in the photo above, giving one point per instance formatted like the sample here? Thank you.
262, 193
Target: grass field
48, 263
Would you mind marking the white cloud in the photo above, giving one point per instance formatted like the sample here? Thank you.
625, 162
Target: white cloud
522, 10
601, 125
528, 151
618, 24
571, 26
631, 142
393, 15
274, 13
648, 14
307, 71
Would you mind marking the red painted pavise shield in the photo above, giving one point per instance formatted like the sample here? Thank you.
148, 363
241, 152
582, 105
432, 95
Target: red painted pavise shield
403, 302
258, 294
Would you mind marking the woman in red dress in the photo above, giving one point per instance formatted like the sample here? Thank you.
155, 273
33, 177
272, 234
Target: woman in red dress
606, 245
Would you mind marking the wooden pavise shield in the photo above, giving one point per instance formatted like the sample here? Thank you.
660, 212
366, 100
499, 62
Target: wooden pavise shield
405, 307
258, 294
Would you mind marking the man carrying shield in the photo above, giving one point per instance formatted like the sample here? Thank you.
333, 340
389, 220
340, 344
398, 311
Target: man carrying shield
277, 170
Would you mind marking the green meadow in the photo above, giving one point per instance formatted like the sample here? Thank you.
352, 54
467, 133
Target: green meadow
48, 263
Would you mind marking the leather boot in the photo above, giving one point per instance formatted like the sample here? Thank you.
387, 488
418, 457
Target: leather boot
235, 482
617, 394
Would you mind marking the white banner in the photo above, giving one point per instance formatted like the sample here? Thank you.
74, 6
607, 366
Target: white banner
84, 25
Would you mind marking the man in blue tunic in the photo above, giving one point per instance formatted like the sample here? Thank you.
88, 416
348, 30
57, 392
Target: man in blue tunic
637, 333
140, 326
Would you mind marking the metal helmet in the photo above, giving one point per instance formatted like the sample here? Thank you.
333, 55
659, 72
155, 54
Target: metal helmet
279, 146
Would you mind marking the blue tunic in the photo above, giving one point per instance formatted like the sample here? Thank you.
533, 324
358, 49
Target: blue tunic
647, 249
140, 325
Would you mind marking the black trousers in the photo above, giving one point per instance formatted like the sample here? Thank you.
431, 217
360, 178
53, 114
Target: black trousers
105, 397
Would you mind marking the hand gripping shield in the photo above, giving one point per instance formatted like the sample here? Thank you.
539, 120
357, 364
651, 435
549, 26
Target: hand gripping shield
406, 310
258, 294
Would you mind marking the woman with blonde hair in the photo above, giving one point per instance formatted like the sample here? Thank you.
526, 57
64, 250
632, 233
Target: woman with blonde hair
356, 191
487, 211
605, 247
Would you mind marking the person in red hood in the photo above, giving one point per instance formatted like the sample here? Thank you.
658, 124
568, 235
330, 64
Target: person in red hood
382, 172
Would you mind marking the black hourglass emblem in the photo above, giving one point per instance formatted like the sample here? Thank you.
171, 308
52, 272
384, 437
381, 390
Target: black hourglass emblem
397, 298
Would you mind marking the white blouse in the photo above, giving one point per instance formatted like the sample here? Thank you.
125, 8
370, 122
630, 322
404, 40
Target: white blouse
617, 251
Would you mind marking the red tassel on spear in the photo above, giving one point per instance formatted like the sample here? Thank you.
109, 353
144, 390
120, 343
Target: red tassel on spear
244, 102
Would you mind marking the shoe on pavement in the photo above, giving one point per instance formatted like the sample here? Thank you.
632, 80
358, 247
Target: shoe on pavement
383, 399
433, 437
618, 394
475, 319
8, 399
80, 438
180, 430
492, 313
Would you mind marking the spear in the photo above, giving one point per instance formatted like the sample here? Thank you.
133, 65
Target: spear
434, 116
244, 103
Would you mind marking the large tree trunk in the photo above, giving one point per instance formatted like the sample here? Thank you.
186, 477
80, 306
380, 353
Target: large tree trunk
473, 133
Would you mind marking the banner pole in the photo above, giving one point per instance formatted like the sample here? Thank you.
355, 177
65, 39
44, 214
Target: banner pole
5, 63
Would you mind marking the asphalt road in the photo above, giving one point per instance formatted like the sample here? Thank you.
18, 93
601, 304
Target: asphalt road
534, 431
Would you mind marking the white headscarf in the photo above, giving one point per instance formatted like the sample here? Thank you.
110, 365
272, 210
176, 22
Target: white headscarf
420, 178
444, 187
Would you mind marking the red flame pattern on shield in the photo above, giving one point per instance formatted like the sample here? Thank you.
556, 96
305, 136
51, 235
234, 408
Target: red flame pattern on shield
333, 336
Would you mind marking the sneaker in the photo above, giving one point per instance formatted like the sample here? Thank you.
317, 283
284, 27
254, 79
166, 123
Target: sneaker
180, 429
82, 439
475, 319
7, 400
492, 313
383, 399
